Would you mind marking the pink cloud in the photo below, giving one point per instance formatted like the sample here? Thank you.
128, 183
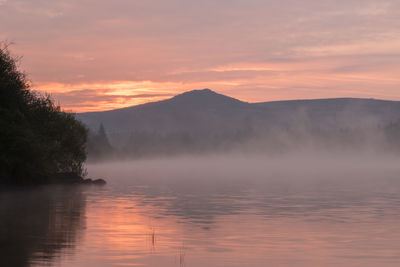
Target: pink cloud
255, 50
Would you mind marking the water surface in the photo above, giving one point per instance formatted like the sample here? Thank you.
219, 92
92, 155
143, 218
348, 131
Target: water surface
210, 212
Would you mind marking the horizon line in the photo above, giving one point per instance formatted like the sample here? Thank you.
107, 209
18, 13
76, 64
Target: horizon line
208, 89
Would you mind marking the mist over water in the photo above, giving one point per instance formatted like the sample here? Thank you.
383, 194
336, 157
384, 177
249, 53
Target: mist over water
200, 178
201, 122
237, 210
314, 209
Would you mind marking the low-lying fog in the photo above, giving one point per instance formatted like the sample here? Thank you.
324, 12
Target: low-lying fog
285, 175
303, 209
294, 166
298, 209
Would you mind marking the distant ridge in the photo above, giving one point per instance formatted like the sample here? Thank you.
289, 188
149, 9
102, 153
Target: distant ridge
205, 112
207, 96
199, 97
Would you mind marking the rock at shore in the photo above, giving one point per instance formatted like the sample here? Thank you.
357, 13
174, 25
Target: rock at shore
73, 178
99, 182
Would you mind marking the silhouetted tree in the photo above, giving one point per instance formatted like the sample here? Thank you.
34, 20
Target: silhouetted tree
392, 133
98, 144
37, 139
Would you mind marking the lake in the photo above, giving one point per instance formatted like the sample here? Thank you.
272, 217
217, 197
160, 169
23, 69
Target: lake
211, 211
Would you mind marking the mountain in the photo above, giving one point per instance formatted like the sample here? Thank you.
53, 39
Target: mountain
205, 113
194, 111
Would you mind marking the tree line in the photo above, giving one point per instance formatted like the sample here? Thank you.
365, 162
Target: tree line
274, 140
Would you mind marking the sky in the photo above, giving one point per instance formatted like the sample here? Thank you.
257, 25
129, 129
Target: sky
95, 55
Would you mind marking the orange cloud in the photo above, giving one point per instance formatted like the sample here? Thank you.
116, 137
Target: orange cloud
125, 53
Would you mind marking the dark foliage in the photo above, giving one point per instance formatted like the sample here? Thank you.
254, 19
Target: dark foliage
98, 145
37, 140
142, 143
392, 132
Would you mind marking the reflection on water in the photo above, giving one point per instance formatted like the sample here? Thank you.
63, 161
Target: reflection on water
39, 224
168, 213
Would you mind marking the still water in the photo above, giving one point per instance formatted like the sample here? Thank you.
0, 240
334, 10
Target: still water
210, 212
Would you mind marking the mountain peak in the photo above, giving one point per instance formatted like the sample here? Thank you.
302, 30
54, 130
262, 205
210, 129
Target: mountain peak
204, 97
198, 92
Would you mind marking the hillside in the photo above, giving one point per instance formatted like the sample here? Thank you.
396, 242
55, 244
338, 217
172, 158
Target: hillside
204, 113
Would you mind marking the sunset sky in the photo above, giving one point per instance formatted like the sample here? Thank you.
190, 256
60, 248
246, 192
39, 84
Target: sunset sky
100, 55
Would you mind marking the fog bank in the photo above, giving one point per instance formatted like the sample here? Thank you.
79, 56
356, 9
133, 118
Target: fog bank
291, 167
